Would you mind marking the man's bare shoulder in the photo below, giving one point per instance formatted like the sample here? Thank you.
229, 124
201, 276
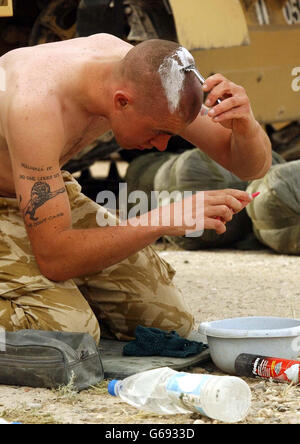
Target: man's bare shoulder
31, 111
38, 102
110, 43
28, 99
103, 38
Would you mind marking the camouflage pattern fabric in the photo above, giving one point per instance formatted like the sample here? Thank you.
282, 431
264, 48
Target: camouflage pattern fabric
137, 291
276, 212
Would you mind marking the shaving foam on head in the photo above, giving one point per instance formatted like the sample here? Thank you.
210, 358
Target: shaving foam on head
172, 75
2, 79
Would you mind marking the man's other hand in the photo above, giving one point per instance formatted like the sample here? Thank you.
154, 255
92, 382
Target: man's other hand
234, 112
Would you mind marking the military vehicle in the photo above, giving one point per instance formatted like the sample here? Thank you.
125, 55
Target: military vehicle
255, 43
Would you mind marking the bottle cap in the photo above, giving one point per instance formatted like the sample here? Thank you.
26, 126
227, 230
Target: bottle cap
111, 387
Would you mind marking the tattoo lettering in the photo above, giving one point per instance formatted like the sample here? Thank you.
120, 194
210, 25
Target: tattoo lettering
49, 218
40, 194
38, 169
39, 178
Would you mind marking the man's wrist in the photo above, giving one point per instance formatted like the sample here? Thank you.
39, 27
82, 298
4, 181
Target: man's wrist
155, 219
255, 146
247, 128
151, 221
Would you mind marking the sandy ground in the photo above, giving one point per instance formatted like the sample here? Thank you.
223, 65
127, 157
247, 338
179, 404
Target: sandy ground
216, 284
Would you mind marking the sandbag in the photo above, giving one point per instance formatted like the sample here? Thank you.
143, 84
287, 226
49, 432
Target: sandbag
142, 170
276, 212
192, 171
195, 171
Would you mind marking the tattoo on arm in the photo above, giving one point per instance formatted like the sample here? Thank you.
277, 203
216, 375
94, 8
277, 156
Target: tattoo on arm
39, 178
40, 194
34, 168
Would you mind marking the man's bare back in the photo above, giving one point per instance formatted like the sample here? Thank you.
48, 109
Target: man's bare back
48, 73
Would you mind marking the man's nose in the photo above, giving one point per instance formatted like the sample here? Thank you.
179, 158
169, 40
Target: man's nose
161, 142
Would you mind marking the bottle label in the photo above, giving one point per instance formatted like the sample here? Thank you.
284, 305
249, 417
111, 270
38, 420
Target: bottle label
280, 370
187, 387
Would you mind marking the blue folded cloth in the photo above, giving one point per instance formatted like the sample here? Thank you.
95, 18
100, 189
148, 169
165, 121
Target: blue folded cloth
155, 342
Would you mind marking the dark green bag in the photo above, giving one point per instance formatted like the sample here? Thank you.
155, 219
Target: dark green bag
49, 359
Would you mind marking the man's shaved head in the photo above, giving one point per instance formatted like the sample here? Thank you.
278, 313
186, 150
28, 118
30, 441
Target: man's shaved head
155, 71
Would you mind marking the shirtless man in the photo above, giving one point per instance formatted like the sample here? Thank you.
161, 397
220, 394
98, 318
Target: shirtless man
55, 262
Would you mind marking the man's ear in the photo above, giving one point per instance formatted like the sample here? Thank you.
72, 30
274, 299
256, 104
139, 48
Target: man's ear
122, 100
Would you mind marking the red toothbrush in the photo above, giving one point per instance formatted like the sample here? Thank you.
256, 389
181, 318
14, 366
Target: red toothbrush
253, 196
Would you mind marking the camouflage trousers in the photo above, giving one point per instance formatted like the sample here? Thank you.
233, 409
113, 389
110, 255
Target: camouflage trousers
137, 291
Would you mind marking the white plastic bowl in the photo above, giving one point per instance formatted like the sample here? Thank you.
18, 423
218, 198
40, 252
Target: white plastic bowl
266, 336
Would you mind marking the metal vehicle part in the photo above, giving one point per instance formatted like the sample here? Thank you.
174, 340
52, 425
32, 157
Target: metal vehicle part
265, 67
254, 43
56, 22
6, 8
205, 24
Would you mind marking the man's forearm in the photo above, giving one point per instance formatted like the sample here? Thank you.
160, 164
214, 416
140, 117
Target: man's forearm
72, 253
247, 151
250, 154
82, 252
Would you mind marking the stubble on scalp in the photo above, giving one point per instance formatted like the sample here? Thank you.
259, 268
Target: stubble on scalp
154, 70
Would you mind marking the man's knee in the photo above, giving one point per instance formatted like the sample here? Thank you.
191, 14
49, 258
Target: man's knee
22, 316
5, 315
174, 317
186, 324
77, 322
168, 312
92, 328
173, 311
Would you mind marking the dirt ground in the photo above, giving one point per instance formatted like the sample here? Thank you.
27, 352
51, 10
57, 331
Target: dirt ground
216, 284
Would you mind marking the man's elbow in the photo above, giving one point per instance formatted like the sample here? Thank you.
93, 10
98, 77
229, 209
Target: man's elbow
52, 271
268, 162
51, 266
259, 172
52, 258
265, 169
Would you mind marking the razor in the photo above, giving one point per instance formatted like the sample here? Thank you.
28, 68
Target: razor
192, 68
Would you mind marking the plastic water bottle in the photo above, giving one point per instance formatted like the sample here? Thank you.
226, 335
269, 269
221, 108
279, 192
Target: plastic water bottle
165, 391
2, 421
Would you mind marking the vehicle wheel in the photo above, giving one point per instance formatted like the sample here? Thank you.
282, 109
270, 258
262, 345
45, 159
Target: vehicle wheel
56, 22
